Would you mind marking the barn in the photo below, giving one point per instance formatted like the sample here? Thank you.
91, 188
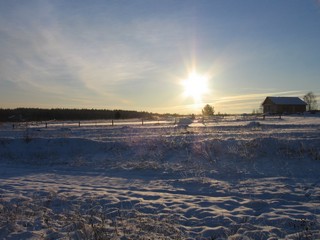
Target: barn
280, 105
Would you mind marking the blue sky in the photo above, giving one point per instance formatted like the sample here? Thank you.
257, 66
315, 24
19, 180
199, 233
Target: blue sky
133, 55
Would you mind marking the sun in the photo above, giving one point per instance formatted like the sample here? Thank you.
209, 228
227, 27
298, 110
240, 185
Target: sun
195, 86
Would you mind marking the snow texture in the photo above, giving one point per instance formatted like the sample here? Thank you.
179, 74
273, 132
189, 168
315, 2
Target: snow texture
232, 178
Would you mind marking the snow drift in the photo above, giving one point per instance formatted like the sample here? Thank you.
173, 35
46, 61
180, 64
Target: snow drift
232, 179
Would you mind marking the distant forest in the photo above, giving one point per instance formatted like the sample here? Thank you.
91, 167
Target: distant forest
38, 114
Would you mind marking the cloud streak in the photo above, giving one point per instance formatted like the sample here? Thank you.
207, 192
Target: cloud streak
116, 55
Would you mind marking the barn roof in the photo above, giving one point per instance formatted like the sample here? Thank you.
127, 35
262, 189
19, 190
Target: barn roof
286, 100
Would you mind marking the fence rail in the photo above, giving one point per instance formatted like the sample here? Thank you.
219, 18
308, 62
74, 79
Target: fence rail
102, 123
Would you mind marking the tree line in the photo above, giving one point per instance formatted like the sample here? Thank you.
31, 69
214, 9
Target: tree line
39, 114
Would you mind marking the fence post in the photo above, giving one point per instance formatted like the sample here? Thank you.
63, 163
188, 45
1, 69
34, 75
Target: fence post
142, 121
46, 125
112, 122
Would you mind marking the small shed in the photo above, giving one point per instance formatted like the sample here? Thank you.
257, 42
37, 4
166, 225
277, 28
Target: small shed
280, 105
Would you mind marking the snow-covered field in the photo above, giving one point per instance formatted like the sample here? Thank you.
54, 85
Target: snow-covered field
230, 179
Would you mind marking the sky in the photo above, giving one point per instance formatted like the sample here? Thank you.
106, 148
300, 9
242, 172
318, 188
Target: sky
135, 54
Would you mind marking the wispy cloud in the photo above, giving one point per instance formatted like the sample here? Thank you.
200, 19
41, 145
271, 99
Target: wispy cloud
46, 58
112, 54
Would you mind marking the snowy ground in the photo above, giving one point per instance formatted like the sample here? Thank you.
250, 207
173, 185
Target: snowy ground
230, 179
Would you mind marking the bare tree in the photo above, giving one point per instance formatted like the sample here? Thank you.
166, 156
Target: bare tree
311, 100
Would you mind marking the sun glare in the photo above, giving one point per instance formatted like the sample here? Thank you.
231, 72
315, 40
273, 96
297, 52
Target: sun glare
195, 86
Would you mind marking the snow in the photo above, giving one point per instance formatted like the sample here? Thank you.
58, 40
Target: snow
184, 122
232, 178
287, 100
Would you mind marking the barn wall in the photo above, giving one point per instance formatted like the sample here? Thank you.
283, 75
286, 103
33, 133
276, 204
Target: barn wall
279, 109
